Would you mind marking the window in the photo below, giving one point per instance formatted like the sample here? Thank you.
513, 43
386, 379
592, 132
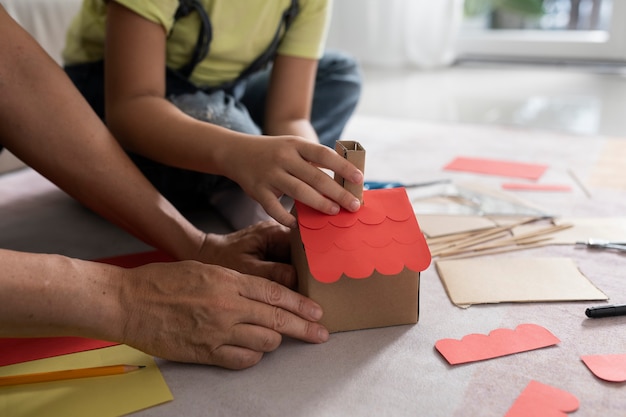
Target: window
544, 30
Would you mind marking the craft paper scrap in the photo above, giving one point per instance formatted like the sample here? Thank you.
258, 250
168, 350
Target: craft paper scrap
610, 368
500, 342
535, 187
498, 280
105, 396
17, 350
497, 167
539, 399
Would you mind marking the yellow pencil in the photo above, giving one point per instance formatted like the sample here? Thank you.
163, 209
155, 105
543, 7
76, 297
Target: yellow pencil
10, 380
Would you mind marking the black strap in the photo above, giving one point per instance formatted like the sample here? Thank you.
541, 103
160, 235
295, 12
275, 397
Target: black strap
205, 36
201, 50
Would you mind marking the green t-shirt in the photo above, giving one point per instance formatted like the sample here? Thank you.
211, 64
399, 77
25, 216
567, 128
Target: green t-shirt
242, 30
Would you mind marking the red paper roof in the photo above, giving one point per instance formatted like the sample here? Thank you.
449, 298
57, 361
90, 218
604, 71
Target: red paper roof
383, 236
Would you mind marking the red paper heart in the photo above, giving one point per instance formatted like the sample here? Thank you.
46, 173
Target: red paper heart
539, 399
611, 368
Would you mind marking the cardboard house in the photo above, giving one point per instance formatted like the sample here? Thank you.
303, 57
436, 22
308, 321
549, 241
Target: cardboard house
363, 268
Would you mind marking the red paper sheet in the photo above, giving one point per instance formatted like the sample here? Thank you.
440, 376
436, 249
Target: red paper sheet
17, 350
535, 187
500, 342
497, 167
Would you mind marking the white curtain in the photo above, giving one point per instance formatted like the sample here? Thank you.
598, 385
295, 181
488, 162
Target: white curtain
397, 33
46, 20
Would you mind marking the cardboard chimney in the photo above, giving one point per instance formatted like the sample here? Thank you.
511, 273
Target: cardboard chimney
363, 268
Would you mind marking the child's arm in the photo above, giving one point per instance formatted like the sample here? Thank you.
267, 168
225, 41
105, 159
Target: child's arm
289, 98
146, 123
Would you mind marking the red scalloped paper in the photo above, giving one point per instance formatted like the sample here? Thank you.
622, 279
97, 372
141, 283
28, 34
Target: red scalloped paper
610, 368
382, 236
539, 399
499, 342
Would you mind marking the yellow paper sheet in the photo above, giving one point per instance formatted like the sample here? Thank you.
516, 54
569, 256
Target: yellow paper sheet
482, 281
114, 395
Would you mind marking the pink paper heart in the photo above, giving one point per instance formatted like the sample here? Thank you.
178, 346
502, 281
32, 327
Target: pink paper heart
543, 400
611, 368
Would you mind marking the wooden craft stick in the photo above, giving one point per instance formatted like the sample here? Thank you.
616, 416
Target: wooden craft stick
452, 237
579, 183
487, 249
495, 251
500, 234
534, 234
524, 239
493, 230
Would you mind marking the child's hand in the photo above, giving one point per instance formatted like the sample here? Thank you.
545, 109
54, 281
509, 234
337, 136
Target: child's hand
268, 167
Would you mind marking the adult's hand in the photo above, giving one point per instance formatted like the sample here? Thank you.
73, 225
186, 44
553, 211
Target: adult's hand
192, 312
261, 249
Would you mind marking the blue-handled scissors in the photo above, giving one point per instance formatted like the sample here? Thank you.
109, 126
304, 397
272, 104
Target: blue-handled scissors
379, 185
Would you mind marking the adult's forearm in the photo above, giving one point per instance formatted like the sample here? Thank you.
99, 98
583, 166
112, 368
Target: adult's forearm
52, 295
46, 123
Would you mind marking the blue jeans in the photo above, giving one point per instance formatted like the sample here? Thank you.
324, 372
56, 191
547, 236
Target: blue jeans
336, 94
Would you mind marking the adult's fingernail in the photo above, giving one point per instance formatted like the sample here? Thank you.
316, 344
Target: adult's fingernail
323, 334
316, 313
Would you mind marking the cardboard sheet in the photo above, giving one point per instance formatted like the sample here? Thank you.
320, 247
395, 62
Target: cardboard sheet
498, 280
94, 397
